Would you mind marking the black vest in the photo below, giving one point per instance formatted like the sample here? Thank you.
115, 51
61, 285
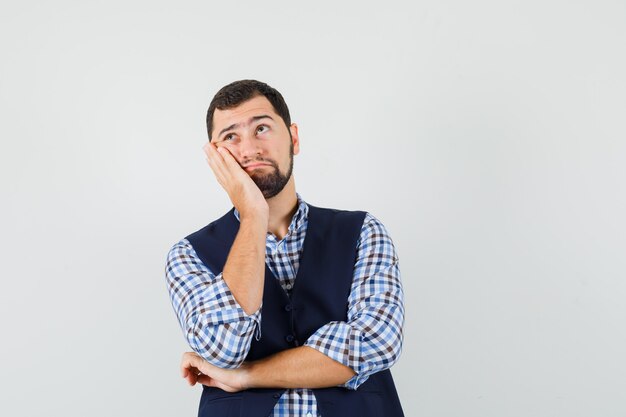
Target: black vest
320, 295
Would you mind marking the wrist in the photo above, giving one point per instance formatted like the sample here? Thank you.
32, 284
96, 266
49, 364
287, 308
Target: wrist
256, 221
247, 375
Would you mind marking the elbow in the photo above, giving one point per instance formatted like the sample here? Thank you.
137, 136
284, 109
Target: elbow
394, 355
381, 357
395, 349
211, 346
388, 356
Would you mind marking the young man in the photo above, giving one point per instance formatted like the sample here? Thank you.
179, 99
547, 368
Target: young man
290, 309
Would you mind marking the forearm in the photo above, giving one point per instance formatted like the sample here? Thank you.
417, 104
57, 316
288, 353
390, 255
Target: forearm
301, 367
244, 270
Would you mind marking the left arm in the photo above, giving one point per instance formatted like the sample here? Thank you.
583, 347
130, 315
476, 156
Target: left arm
370, 340
300, 367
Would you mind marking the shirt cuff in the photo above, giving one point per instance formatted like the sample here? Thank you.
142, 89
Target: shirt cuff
342, 343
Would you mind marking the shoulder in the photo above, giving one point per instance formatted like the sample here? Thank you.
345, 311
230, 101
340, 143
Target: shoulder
375, 236
181, 260
184, 248
343, 224
336, 213
372, 224
228, 220
331, 210
179, 249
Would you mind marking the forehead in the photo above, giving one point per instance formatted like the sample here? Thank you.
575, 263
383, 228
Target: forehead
256, 106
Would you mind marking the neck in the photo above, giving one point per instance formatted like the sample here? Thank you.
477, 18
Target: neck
282, 208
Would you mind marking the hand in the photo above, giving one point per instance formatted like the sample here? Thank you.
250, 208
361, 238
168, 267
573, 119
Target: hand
241, 189
195, 369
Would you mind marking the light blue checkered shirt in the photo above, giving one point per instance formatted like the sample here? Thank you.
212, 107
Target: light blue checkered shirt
219, 330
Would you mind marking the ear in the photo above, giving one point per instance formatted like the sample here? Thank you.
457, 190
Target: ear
294, 138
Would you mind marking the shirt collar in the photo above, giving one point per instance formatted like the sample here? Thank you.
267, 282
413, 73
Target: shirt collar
298, 218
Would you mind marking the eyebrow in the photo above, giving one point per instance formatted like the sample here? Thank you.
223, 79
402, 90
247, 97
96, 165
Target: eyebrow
250, 120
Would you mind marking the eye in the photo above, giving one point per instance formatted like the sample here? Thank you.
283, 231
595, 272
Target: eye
262, 129
228, 137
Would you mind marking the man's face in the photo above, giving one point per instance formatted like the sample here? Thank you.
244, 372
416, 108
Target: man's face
260, 142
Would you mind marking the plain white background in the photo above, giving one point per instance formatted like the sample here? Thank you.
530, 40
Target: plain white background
488, 136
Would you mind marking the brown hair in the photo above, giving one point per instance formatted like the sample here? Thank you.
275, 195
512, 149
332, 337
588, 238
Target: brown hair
237, 92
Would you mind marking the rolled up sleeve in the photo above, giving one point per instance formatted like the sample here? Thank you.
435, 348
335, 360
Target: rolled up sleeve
371, 339
213, 323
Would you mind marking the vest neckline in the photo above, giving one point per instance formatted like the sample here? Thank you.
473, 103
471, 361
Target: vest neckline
304, 259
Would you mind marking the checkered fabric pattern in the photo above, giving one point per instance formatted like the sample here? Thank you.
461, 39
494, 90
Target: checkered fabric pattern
219, 330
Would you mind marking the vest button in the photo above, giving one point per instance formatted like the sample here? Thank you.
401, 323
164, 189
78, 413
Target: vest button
288, 307
289, 338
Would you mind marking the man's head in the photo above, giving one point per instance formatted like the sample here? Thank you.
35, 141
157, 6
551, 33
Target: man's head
237, 92
251, 119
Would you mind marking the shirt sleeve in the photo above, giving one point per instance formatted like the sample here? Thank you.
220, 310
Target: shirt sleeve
371, 339
214, 324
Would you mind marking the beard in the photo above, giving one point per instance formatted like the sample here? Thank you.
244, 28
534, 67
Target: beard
273, 182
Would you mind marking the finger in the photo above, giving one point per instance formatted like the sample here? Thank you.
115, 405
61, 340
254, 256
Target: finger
216, 161
212, 382
219, 171
206, 380
211, 151
208, 146
232, 165
229, 159
188, 363
189, 370
191, 378
205, 148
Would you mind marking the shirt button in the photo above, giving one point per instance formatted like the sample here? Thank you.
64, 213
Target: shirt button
288, 286
309, 414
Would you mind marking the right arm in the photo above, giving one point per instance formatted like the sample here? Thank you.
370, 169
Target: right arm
214, 324
244, 270
219, 313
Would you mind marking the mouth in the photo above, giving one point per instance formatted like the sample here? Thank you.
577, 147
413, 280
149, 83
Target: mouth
254, 166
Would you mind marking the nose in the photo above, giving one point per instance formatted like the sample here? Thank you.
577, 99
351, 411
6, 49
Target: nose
249, 147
